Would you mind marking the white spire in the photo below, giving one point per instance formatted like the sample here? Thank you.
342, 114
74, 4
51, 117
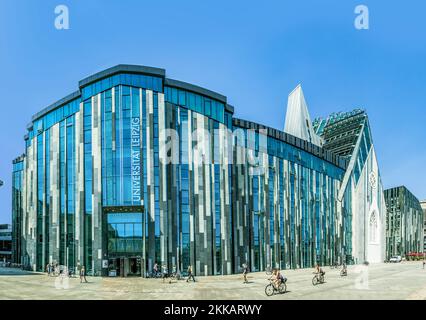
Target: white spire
297, 121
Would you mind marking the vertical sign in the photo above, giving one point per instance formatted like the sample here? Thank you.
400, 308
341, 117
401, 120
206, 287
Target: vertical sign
136, 160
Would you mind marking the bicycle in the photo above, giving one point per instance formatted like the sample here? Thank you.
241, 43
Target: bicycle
271, 289
334, 265
318, 278
174, 276
154, 275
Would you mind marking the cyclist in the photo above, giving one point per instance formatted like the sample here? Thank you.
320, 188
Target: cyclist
276, 278
155, 269
281, 277
319, 271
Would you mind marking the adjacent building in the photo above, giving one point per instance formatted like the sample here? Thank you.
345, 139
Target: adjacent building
17, 208
405, 223
423, 205
348, 135
136, 168
5, 243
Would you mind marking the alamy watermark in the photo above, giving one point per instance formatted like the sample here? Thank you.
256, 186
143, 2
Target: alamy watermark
62, 20
362, 20
362, 280
218, 146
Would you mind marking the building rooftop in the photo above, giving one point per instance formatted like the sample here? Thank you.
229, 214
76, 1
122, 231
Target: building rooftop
294, 141
128, 69
340, 131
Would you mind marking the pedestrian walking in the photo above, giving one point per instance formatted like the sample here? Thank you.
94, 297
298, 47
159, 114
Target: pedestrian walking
175, 274
424, 263
83, 275
155, 269
245, 272
190, 275
164, 272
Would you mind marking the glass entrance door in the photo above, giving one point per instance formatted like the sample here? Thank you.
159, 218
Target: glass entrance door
125, 267
134, 267
124, 233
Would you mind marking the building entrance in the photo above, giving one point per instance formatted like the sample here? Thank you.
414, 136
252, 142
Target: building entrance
125, 267
124, 239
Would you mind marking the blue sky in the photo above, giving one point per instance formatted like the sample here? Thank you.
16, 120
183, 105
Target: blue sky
255, 53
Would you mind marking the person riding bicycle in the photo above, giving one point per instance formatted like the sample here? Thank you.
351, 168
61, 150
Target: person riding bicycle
155, 269
319, 270
276, 278
281, 277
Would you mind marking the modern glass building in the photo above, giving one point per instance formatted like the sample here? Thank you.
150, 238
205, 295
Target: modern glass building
286, 212
423, 205
135, 168
404, 226
17, 208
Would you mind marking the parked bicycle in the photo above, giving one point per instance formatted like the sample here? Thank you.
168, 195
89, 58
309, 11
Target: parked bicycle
155, 275
272, 289
335, 265
318, 278
173, 276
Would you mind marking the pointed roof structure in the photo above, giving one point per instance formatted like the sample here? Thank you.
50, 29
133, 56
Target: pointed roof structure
297, 121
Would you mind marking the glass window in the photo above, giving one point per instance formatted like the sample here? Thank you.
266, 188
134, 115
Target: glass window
191, 102
199, 104
124, 233
174, 95
182, 98
207, 107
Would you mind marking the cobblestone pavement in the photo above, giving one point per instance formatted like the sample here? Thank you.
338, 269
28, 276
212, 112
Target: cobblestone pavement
405, 280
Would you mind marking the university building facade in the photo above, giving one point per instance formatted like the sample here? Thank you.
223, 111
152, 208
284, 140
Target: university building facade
135, 168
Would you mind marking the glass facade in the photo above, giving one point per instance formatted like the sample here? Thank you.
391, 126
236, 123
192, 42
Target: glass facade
124, 233
196, 102
95, 188
404, 223
17, 208
290, 206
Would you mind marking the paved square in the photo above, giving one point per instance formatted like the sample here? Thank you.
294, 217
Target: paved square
405, 280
